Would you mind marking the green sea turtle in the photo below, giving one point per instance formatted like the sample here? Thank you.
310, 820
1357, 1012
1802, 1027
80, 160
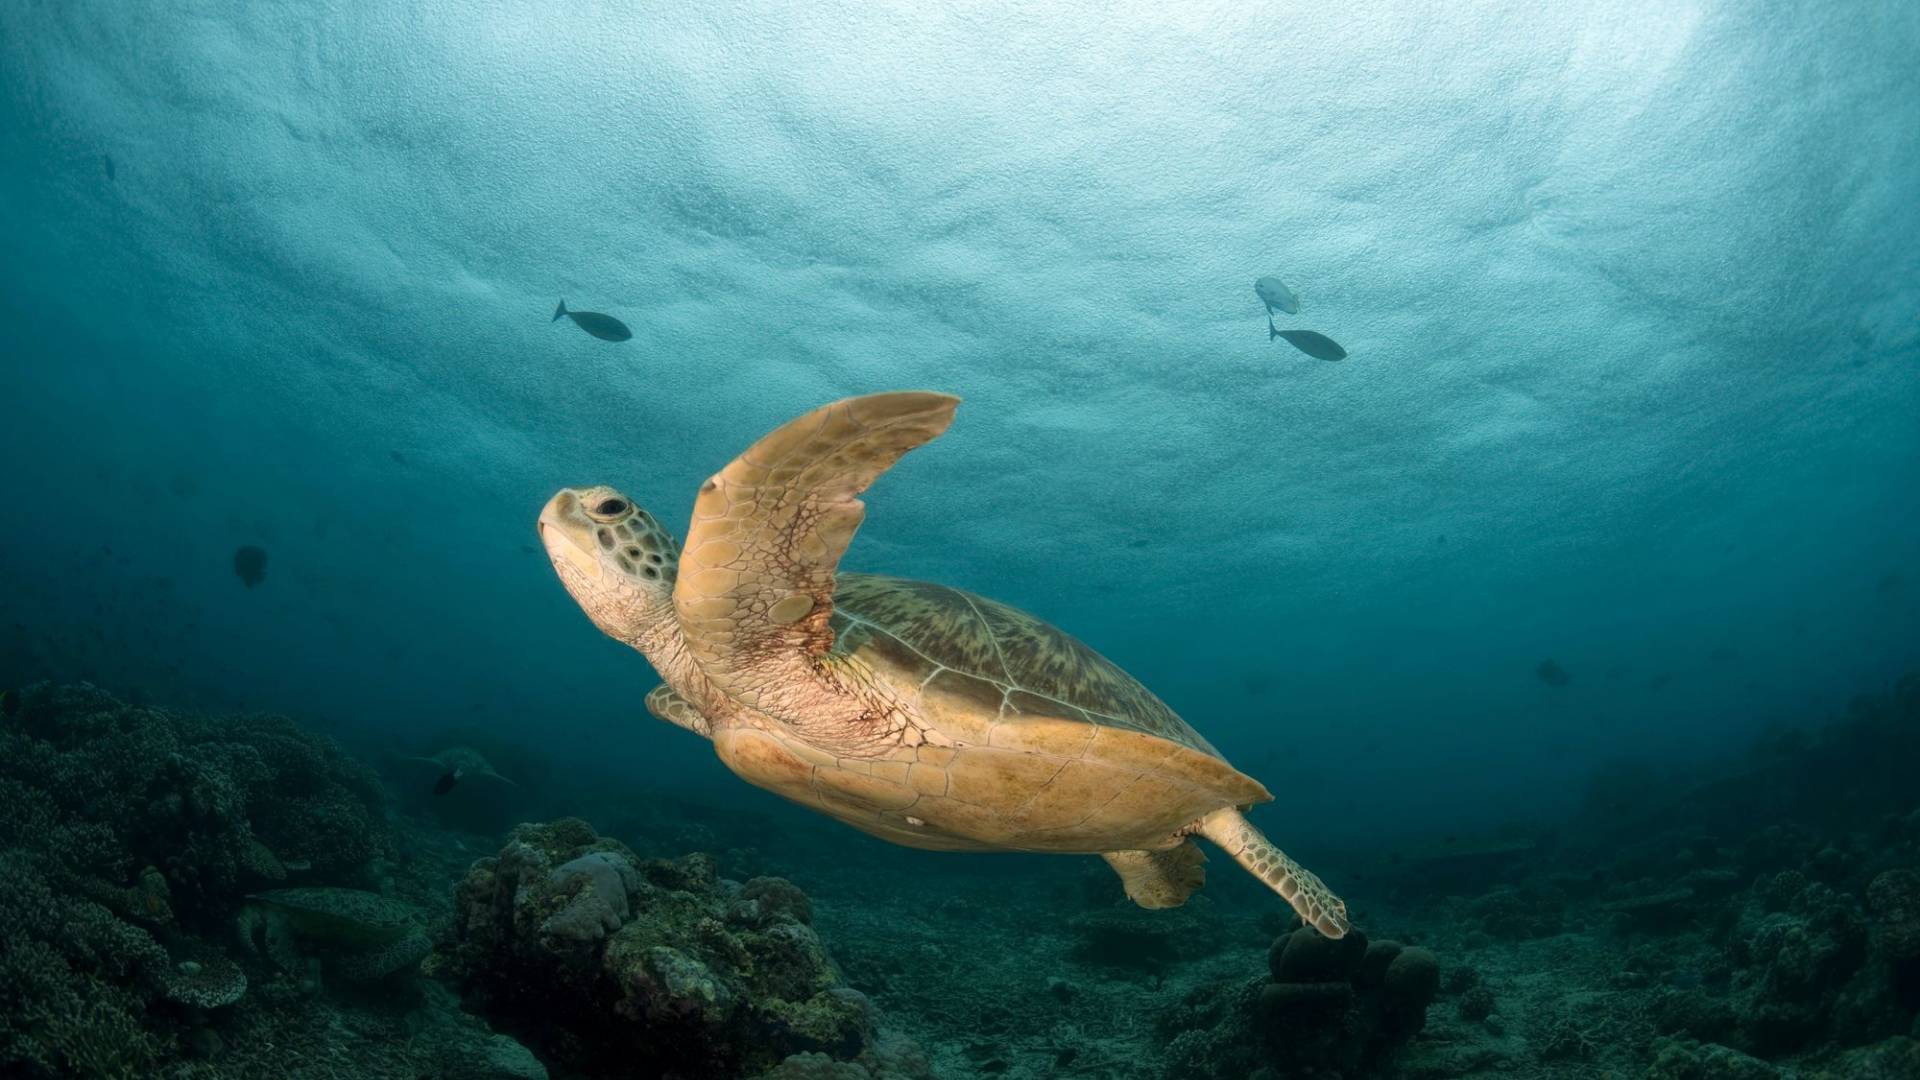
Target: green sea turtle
357, 935
457, 763
919, 713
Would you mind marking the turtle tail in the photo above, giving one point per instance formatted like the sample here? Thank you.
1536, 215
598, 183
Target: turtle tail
1315, 903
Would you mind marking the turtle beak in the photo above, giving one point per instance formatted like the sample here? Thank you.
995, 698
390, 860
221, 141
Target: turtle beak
568, 535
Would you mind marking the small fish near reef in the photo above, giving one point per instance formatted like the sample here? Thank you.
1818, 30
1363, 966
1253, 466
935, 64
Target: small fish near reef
250, 565
1318, 346
604, 327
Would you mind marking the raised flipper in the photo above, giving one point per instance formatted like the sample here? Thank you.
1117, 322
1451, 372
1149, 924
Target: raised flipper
1160, 879
755, 589
1316, 905
663, 703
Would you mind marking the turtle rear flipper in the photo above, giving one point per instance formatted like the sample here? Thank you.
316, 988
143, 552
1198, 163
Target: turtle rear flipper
1310, 897
1160, 879
261, 931
755, 589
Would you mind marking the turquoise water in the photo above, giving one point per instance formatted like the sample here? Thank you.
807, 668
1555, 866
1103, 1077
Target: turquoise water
1628, 293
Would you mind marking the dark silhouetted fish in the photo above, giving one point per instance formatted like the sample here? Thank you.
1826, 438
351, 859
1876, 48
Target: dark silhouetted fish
106, 160
604, 327
1318, 346
1552, 673
398, 457
446, 781
250, 565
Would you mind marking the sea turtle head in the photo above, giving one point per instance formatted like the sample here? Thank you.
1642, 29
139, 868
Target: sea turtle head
617, 561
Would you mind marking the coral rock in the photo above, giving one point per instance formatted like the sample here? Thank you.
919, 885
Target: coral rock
1411, 982
1373, 965
1306, 956
599, 959
1894, 899
600, 906
1302, 1004
203, 978
1686, 1060
1476, 1004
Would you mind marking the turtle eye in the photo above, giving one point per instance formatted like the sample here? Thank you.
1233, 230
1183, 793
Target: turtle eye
610, 507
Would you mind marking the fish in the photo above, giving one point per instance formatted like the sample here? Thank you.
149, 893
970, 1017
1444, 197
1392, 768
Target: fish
1552, 673
604, 327
1318, 346
250, 565
1273, 293
107, 161
447, 780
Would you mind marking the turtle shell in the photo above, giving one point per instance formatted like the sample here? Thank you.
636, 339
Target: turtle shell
992, 675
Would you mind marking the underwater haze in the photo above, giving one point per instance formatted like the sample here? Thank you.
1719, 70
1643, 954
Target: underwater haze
1621, 469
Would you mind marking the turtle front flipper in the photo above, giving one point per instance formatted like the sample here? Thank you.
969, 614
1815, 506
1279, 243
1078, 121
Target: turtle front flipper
663, 703
755, 590
1160, 879
1310, 897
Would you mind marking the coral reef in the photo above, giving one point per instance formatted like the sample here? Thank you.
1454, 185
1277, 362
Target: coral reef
131, 838
189, 897
612, 965
138, 840
1334, 1007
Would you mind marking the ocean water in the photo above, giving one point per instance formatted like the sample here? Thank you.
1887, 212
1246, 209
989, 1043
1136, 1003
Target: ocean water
1590, 576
